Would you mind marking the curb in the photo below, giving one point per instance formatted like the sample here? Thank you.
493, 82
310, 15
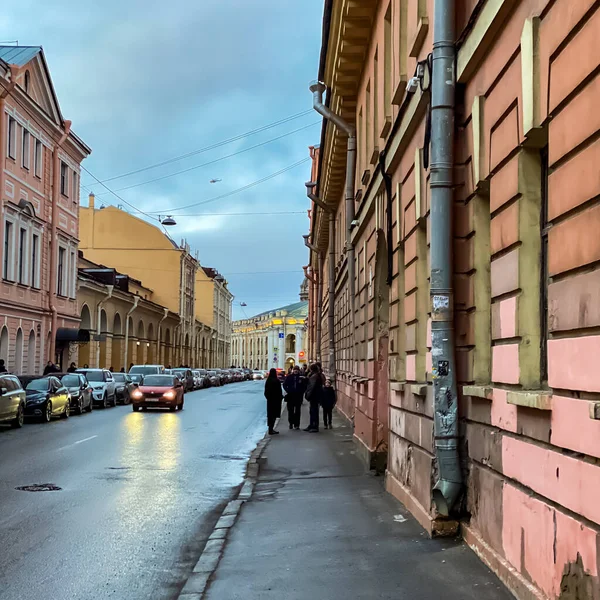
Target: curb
208, 562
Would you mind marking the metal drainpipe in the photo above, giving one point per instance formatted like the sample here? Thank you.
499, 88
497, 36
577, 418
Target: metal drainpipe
449, 484
318, 316
136, 301
98, 320
158, 332
317, 89
311, 310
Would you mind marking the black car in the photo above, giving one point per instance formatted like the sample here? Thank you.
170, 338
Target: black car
80, 390
124, 385
45, 397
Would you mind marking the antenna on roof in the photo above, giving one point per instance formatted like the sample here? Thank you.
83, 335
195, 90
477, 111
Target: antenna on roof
16, 42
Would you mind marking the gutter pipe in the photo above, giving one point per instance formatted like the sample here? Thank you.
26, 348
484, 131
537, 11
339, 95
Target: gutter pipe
136, 301
311, 308
317, 89
318, 316
108, 296
443, 83
158, 333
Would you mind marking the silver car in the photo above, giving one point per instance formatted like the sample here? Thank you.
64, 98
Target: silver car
102, 382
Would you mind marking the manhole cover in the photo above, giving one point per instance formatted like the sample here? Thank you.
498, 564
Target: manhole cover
39, 487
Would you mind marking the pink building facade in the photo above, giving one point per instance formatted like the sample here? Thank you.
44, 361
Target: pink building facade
39, 226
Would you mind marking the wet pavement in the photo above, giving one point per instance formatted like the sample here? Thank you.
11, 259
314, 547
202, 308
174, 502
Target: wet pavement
140, 494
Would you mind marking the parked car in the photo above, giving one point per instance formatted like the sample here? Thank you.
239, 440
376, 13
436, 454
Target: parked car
103, 386
12, 401
215, 378
223, 376
248, 374
187, 377
137, 372
80, 390
158, 391
45, 397
124, 385
258, 375
198, 379
205, 377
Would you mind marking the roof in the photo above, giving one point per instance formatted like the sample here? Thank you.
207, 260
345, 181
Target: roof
297, 309
19, 55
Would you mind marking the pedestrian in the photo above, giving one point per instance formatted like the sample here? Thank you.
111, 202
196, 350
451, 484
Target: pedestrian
313, 395
122, 369
328, 401
50, 368
274, 396
86, 366
72, 368
131, 365
2, 366
111, 369
294, 387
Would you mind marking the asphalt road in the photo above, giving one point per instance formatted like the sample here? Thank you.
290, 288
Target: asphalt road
140, 495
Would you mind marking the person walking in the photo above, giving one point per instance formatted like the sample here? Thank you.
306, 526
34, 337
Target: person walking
274, 396
50, 368
294, 387
2, 366
314, 393
72, 368
328, 402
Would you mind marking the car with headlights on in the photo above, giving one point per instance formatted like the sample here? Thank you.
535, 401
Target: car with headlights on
124, 385
257, 375
45, 397
80, 390
12, 401
158, 391
103, 386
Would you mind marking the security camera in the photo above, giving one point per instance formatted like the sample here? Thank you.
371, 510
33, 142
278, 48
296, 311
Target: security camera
413, 85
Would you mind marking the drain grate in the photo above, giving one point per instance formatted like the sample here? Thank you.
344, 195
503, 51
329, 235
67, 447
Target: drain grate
39, 487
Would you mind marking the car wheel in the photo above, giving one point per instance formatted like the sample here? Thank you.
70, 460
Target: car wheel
135, 408
80, 408
47, 416
114, 399
104, 401
19, 419
67, 412
90, 407
126, 398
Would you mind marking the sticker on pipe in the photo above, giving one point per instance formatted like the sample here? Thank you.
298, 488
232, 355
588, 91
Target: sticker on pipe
441, 302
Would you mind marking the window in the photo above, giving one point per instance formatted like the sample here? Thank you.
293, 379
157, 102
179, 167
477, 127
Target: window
35, 243
6, 265
27, 82
26, 149
37, 159
544, 225
12, 138
73, 272
387, 63
75, 187
61, 272
64, 182
22, 257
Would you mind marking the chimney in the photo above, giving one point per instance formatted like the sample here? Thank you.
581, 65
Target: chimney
91, 198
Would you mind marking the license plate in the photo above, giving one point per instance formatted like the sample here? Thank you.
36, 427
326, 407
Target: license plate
152, 399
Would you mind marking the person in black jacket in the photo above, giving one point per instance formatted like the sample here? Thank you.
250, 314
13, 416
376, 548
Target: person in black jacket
274, 396
313, 395
328, 402
294, 387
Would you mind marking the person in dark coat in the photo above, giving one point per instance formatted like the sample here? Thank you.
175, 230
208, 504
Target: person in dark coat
50, 368
2, 366
314, 394
274, 396
328, 402
72, 368
294, 387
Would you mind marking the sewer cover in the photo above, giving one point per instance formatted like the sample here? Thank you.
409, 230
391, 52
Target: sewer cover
39, 487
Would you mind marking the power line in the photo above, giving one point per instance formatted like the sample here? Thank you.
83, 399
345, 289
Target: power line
216, 160
232, 193
245, 214
211, 147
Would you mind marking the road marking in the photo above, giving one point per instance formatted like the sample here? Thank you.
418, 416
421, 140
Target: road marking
79, 442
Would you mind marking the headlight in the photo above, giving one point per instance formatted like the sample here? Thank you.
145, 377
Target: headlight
137, 394
170, 395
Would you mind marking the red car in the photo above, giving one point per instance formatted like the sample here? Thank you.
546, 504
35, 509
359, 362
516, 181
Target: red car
158, 391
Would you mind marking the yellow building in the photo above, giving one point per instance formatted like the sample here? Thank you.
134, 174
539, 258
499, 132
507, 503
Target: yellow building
113, 237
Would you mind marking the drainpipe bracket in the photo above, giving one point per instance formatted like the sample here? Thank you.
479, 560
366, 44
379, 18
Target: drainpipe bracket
419, 389
397, 386
479, 391
541, 400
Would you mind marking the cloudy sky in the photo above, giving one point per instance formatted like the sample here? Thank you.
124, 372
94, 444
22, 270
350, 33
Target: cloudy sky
147, 81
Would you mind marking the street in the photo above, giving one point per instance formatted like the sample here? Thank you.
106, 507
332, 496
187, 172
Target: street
140, 493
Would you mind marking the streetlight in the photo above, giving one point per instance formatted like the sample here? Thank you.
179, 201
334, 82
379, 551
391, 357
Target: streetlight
168, 220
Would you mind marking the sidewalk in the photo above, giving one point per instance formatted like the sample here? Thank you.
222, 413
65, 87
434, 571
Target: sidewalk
319, 527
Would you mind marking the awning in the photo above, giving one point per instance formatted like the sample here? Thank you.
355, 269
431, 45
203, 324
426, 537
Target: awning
67, 334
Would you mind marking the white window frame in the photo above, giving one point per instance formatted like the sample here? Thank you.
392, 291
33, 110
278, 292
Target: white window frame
38, 158
8, 262
26, 149
11, 141
73, 273
23, 261
64, 189
75, 180
61, 272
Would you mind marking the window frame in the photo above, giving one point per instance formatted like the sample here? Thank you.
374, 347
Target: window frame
38, 160
7, 262
60, 271
11, 141
25, 149
35, 258
64, 179
22, 256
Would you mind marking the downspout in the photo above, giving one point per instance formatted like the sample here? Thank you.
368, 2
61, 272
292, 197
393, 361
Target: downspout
443, 83
389, 219
136, 301
54, 237
319, 312
158, 331
317, 90
98, 323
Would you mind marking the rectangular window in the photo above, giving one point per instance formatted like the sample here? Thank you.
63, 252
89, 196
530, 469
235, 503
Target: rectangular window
6, 263
37, 160
60, 284
376, 97
22, 256
12, 138
64, 181
26, 149
368, 123
35, 242
75, 187
544, 226
387, 66
73, 275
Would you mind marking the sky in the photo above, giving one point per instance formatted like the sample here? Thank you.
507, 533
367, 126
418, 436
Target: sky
147, 81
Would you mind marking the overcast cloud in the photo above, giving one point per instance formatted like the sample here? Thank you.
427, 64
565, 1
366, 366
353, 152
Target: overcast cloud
144, 81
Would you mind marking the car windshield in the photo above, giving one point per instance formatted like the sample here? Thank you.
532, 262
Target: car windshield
40, 385
143, 370
180, 371
202, 372
94, 375
71, 381
159, 380
212, 373
119, 377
